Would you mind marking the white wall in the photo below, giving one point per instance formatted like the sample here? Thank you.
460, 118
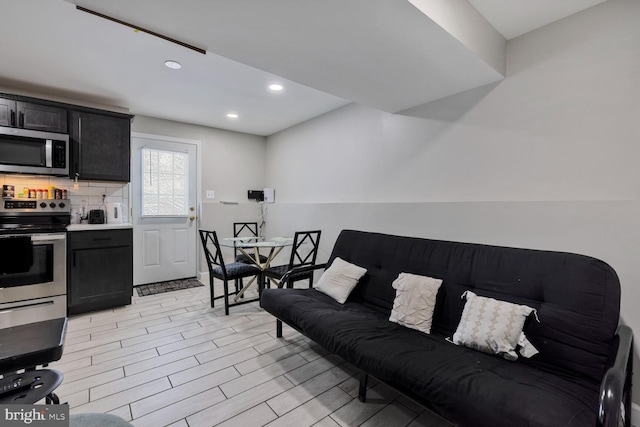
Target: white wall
231, 164
547, 158
562, 126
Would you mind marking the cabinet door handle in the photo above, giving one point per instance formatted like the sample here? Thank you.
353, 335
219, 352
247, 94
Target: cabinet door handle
21, 119
102, 239
79, 158
13, 118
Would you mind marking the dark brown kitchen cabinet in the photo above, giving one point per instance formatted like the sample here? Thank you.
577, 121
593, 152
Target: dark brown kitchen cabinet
100, 146
100, 269
7, 112
34, 116
41, 117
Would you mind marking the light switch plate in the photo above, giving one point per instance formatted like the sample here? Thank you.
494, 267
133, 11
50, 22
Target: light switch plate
211, 194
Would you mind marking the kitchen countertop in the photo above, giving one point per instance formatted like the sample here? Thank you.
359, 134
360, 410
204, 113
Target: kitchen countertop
87, 227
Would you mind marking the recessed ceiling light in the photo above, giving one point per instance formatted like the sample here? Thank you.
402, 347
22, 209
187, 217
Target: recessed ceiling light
174, 65
276, 87
232, 115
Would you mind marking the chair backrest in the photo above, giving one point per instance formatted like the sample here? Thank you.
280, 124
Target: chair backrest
244, 229
212, 251
305, 248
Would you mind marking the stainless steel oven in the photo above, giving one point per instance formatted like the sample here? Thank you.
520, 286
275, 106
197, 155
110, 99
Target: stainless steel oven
33, 276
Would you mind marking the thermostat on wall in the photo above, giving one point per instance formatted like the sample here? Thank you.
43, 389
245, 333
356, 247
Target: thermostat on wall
269, 195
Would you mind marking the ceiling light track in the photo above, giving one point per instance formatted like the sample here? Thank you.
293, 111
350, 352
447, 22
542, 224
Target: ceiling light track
135, 27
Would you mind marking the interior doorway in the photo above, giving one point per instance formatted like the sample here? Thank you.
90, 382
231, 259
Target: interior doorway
164, 193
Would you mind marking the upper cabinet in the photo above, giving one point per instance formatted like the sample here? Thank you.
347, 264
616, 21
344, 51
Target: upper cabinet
99, 140
7, 112
42, 117
30, 115
100, 146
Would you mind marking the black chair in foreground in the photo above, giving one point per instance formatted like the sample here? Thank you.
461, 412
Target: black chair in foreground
303, 254
225, 272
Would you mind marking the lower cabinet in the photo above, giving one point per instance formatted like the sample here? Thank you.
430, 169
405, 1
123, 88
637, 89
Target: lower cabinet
99, 269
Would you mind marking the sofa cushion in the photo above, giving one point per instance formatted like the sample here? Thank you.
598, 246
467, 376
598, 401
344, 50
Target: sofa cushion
339, 279
465, 386
490, 325
415, 301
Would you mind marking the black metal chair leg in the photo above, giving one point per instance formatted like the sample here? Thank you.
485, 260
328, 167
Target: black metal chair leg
226, 298
211, 289
362, 392
278, 328
260, 285
52, 399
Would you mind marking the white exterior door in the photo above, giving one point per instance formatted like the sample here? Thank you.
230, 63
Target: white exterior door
164, 191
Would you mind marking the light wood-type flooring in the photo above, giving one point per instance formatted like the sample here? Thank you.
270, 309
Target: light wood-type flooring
170, 359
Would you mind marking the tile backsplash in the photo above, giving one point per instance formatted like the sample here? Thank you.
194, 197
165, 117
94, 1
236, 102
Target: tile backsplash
89, 191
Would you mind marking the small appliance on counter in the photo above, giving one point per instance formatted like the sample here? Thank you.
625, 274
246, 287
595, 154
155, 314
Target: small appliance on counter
116, 213
96, 216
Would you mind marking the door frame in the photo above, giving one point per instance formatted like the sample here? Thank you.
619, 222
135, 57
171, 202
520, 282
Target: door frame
197, 143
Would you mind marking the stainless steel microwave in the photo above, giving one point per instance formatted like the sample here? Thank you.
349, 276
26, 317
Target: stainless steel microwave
33, 152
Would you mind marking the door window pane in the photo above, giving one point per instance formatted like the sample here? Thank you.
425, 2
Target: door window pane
165, 181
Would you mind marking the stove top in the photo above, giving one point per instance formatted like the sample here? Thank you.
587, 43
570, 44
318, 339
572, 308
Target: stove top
31, 228
21, 216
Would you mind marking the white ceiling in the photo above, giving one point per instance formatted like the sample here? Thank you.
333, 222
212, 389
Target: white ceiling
386, 54
514, 18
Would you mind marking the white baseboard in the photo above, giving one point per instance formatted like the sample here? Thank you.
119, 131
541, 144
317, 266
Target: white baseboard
635, 415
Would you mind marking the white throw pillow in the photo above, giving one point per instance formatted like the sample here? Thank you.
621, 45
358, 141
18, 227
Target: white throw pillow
491, 326
415, 301
339, 280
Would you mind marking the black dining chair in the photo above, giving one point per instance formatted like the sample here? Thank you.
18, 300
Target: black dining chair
225, 272
303, 253
246, 229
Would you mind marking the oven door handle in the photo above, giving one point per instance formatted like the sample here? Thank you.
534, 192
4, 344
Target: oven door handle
43, 238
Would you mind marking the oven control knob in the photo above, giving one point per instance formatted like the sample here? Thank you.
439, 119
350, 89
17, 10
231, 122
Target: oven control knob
62, 205
43, 205
52, 205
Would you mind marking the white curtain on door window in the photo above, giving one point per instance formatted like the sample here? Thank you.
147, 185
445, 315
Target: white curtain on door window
165, 182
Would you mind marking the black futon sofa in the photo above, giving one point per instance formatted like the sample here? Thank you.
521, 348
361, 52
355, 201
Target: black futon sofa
581, 376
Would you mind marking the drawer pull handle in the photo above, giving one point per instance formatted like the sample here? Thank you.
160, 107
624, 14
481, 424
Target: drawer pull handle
26, 307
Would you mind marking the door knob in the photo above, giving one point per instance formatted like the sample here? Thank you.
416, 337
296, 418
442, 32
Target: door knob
192, 209
191, 218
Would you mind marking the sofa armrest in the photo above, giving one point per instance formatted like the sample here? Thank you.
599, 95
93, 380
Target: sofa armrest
298, 270
614, 409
